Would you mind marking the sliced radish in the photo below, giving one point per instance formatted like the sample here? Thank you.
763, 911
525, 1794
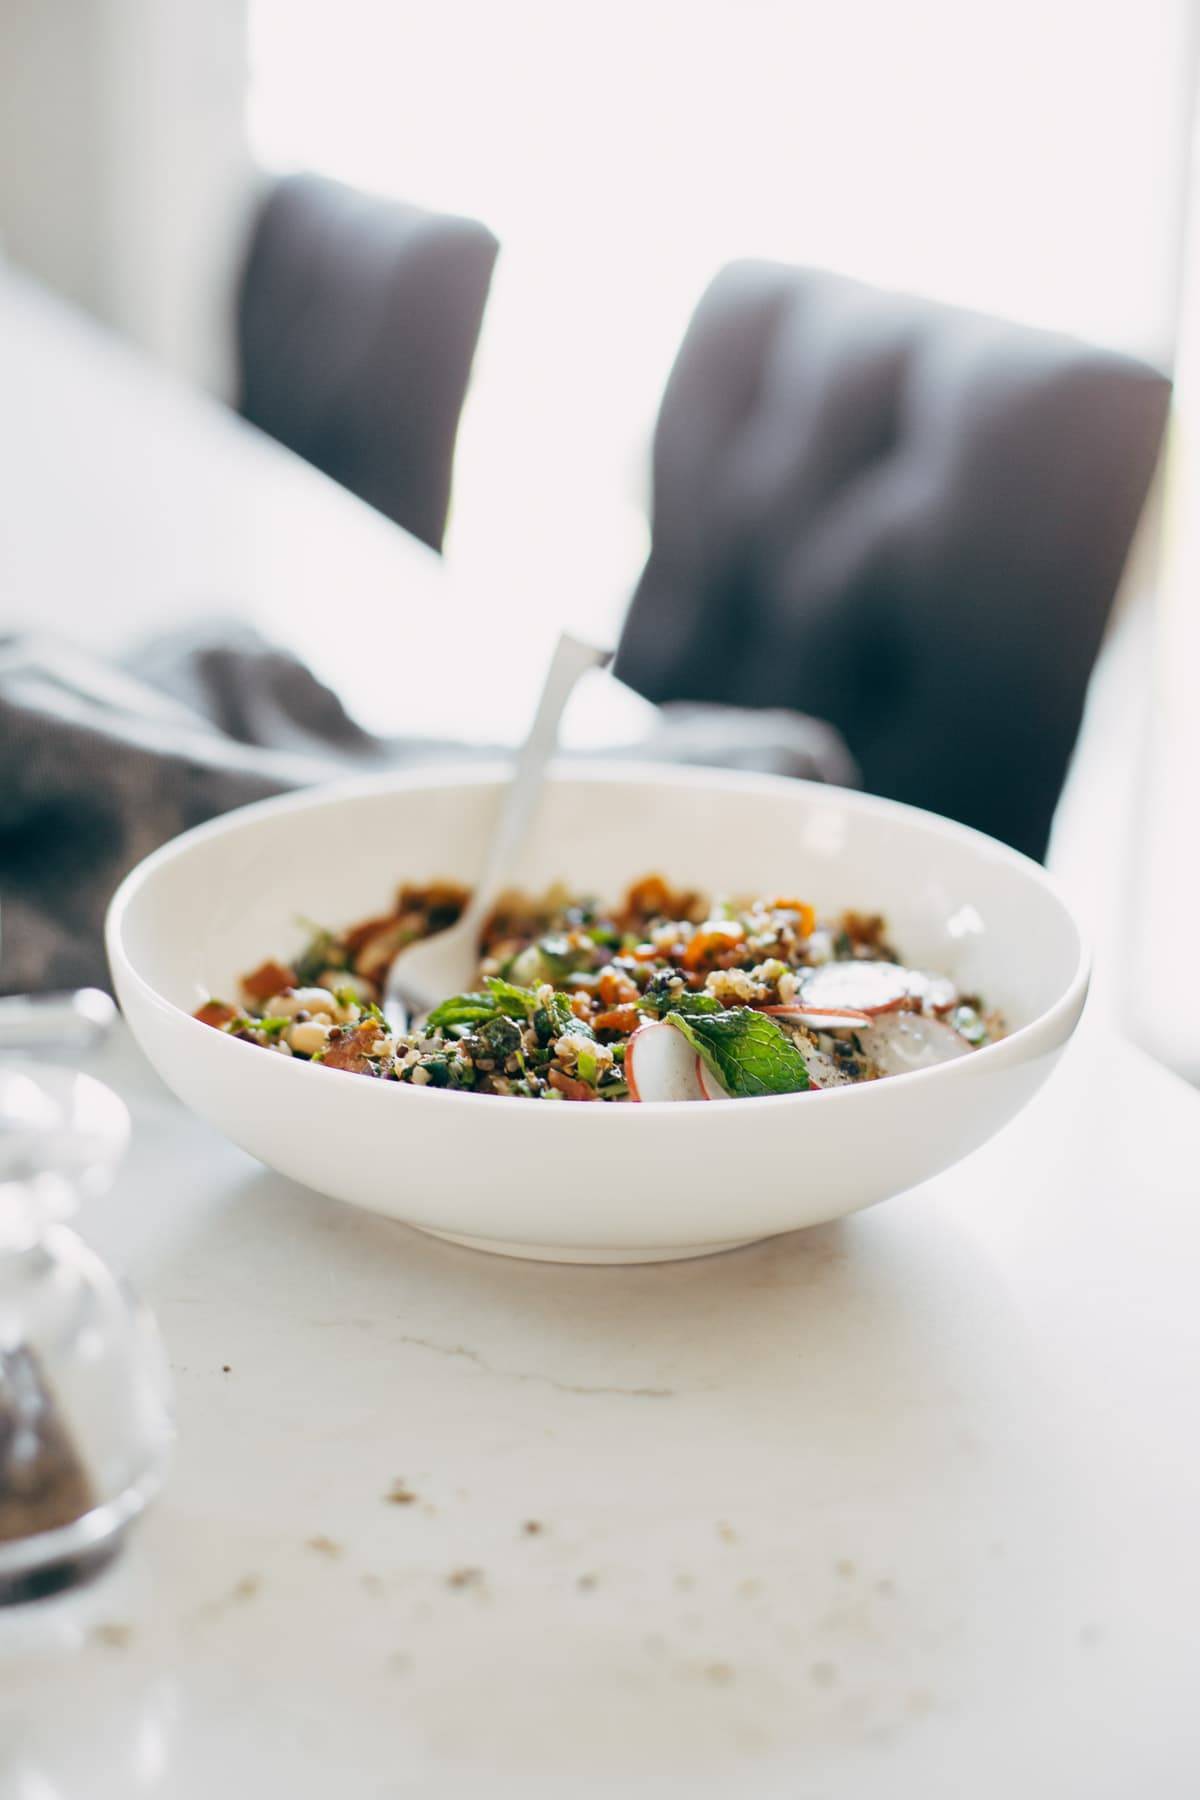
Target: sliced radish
660, 1064
821, 1018
906, 1040
713, 1089
864, 987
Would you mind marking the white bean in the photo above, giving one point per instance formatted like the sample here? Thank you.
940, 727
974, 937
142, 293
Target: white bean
309, 1000
308, 1037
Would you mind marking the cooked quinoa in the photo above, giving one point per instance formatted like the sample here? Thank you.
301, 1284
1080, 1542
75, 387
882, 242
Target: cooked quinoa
763, 996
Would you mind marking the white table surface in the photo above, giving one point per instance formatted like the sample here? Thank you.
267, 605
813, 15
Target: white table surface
901, 1507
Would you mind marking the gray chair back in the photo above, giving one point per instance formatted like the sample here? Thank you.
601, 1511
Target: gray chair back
357, 321
903, 518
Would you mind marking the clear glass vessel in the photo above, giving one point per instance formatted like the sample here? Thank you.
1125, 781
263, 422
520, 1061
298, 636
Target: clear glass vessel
84, 1390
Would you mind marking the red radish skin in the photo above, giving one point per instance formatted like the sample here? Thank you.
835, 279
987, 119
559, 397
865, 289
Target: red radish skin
936, 992
660, 1064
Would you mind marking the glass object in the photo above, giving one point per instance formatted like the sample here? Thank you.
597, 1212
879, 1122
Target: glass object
84, 1413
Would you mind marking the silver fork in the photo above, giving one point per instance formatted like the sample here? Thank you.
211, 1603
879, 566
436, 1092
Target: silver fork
439, 966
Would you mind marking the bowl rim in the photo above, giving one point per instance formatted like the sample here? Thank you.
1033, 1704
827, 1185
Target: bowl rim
491, 772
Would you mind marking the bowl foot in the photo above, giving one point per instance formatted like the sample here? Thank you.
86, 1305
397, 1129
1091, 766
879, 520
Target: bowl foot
575, 1253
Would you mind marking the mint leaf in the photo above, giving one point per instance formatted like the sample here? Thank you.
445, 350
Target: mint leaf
665, 994
461, 1009
503, 999
517, 1002
747, 1052
690, 1005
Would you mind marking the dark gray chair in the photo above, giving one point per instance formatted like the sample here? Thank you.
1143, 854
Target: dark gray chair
903, 518
357, 320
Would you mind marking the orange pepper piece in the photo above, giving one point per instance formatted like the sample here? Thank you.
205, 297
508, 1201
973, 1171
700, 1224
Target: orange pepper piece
806, 919
710, 940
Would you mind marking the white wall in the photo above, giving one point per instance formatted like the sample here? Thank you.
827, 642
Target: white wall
124, 171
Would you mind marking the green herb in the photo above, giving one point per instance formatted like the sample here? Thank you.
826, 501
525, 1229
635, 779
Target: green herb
665, 994
587, 1067
272, 1028
613, 1090
545, 1026
663, 991
694, 1005
530, 966
746, 1051
322, 952
556, 949
502, 1036
565, 1018
517, 1002
551, 958
462, 1009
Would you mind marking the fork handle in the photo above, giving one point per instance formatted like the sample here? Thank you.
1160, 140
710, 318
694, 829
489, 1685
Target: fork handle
572, 658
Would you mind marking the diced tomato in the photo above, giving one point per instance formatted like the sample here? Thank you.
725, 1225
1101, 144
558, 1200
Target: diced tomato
619, 1018
269, 978
215, 1012
569, 1087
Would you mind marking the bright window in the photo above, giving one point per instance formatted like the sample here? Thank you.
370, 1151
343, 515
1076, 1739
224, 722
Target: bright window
1025, 158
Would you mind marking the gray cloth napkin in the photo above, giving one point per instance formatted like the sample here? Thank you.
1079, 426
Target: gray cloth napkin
100, 763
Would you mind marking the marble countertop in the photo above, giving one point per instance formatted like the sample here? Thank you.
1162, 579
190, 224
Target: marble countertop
900, 1506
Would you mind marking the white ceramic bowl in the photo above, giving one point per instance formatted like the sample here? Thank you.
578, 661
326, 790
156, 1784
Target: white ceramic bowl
628, 1183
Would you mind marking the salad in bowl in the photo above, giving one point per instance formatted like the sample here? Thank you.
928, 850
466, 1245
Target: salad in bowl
662, 997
